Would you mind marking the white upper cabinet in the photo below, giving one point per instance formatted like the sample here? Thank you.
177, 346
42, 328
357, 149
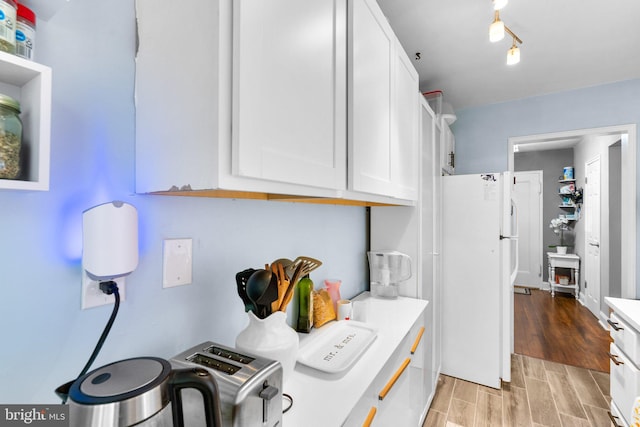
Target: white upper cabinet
289, 91
405, 128
255, 101
249, 102
383, 107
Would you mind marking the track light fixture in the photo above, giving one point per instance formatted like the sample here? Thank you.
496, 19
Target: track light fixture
499, 4
497, 30
513, 54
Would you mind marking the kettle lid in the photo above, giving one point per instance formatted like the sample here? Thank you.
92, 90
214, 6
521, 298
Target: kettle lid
120, 380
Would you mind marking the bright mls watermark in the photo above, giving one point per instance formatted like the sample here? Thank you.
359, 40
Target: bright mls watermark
34, 415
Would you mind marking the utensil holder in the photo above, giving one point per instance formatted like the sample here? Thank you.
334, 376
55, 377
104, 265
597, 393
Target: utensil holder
271, 338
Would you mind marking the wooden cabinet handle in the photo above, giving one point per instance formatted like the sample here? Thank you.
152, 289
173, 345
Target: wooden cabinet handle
393, 379
614, 359
417, 341
370, 416
614, 325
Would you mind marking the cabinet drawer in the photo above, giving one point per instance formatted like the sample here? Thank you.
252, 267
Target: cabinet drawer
617, 420
625, 337
625, 381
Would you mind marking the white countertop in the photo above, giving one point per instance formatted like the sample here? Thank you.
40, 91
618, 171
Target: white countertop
321, 399
627, 309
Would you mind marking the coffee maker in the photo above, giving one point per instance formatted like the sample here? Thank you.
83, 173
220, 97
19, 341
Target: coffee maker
387, 269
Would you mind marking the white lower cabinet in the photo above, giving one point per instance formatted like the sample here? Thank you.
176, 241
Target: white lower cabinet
396, 396
624, 367
625, 382
392, 367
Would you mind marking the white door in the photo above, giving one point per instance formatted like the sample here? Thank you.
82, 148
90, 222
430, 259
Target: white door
473, 302
592, 236
527, 195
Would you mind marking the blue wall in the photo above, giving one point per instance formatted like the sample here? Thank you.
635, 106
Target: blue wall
46, 338
482, 133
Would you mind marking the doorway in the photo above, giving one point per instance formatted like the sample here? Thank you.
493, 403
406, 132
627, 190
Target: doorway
617, 145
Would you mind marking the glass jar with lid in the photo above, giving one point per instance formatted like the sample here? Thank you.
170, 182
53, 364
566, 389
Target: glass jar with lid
8, 15
10, 137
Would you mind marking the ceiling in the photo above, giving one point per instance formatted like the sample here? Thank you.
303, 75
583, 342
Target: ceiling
567, 44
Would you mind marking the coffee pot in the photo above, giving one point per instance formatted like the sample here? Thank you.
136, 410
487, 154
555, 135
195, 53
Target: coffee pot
143, 391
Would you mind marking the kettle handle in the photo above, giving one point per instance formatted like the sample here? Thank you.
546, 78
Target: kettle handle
201, 380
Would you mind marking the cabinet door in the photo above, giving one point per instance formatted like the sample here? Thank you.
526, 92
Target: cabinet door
383, 107
289, 92
448, 149
371, 46
405, 128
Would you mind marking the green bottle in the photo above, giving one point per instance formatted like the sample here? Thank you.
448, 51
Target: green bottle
305, 308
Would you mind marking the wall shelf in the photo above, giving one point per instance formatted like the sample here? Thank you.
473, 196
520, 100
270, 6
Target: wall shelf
30, 84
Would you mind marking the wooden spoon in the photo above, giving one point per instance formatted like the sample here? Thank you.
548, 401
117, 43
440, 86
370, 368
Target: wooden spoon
283, 284
289, 293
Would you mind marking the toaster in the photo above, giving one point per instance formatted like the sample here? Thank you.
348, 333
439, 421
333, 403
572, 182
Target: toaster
250, 387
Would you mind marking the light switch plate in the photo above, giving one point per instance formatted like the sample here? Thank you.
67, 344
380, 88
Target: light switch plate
177, 262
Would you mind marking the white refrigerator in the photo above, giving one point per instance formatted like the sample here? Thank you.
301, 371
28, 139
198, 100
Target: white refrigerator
479, 265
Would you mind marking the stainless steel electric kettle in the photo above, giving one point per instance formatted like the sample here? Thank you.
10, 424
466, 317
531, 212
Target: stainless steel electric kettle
142, 391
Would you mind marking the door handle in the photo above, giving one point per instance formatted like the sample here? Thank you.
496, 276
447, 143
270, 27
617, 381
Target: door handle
594, 244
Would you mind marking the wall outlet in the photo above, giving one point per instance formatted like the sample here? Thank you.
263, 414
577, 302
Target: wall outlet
92, 296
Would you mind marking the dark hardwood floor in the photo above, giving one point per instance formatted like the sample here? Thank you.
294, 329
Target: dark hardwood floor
560, 330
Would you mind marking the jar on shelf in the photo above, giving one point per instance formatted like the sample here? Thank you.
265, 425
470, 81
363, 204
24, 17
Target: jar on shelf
25, 32
8, 14
10, 137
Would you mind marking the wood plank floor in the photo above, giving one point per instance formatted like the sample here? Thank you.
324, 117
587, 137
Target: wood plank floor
559, 329
541, 394
559, 374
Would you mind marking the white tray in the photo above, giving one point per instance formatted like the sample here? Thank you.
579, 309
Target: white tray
337, 346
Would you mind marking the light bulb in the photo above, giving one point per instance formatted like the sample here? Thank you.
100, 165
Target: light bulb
513, 55
499, 4
496, 31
